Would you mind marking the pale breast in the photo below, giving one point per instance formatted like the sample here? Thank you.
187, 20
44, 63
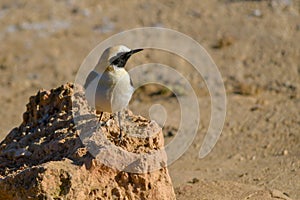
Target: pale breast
110, 91
122, 90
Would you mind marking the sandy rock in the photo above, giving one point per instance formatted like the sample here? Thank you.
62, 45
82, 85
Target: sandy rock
45, 157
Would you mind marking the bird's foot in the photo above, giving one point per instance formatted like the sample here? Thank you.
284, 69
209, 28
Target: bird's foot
120, 140
102, 123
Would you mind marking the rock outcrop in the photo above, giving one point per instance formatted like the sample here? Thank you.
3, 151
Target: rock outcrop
48, 156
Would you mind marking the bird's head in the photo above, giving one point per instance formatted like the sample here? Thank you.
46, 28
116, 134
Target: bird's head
116, 56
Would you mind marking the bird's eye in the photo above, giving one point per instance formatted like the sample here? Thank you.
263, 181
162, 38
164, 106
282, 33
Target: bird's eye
115, 62
121, 60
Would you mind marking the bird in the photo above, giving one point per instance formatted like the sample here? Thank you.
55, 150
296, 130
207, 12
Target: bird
108, 87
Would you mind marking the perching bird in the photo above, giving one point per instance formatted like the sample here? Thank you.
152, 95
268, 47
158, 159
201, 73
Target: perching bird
111, 90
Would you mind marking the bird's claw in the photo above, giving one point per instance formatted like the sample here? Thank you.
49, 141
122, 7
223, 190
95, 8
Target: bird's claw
120, 140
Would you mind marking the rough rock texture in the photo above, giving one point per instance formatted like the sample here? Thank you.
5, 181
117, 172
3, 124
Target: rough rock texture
45, 158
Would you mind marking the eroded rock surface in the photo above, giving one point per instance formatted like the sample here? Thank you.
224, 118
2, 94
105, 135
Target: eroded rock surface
44, 158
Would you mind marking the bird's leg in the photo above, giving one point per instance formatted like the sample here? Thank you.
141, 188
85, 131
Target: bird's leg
101, 113
119, 118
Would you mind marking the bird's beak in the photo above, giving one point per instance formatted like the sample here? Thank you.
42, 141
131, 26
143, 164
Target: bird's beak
127, 55
135, 51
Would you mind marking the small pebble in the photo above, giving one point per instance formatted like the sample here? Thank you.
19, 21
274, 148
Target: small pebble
170, 133
86, 12
285, 152
194, 180
257, 13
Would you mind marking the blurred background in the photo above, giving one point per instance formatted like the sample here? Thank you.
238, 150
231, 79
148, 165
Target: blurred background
255, 44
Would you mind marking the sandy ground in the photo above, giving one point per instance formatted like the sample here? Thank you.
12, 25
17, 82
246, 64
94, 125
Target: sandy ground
255, 44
